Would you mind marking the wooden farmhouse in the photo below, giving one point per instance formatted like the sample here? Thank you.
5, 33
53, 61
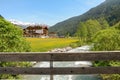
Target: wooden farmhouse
36, 31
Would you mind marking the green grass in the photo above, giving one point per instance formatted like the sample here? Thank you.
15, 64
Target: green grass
43, 45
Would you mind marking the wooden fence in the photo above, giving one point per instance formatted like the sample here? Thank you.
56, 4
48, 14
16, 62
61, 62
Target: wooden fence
81, 56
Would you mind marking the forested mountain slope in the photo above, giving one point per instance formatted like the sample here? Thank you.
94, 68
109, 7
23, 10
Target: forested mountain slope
109, 9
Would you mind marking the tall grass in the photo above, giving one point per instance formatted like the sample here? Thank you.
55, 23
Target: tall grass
43, 45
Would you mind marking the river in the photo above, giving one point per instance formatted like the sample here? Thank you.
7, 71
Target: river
66, 64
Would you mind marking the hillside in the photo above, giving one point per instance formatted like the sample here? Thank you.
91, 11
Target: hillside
109, 9
1, 16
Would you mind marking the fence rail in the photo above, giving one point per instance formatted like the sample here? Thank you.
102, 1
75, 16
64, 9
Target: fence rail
82, 56
60, 71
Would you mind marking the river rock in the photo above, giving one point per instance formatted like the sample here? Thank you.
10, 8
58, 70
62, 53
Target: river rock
61, 49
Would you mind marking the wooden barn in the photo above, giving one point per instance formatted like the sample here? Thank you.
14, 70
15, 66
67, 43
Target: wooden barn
36, 31
53, 35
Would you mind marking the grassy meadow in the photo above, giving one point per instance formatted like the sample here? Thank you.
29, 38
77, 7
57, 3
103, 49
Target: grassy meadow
43, 45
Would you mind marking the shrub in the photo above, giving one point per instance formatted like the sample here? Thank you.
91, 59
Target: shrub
11, 40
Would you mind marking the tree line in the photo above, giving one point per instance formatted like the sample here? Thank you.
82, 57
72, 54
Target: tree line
102, 37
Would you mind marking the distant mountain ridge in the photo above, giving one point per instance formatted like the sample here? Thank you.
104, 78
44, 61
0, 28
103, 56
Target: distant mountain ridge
110, 10
22, 24
19, 23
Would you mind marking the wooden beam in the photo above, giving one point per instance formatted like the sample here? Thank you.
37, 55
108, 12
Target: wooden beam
51, 67
81, 56
60, 71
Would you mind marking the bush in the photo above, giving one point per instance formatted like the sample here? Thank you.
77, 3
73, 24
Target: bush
11, 40
107, 40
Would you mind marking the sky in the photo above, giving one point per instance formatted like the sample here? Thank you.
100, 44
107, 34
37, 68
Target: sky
47, 12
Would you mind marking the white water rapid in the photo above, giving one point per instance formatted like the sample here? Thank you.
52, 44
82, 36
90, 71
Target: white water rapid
65, 64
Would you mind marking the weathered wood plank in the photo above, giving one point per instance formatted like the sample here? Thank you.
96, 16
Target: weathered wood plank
60, 71
82, 56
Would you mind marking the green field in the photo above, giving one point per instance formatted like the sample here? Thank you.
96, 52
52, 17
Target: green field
43, 45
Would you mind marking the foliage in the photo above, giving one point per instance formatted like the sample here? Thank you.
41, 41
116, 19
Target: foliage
93, 26
109, 10
11, 40
108, 40
103, 23
87, 29
43, 45
117, 26
81, 33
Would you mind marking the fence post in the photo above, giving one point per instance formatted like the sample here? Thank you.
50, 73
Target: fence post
51, 67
